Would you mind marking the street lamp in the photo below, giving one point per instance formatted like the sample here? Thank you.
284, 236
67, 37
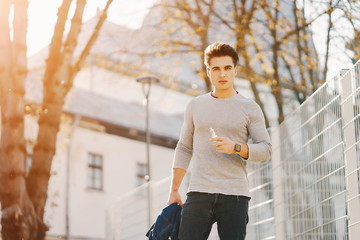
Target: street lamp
146, 82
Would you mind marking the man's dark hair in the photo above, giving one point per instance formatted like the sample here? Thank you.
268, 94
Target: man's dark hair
219, 49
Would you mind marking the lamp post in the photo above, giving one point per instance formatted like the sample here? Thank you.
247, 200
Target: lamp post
146, 82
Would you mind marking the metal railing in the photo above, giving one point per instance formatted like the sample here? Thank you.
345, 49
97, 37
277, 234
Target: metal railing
315, 164
308, 190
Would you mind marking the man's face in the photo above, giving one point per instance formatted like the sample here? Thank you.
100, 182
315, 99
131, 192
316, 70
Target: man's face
222, 72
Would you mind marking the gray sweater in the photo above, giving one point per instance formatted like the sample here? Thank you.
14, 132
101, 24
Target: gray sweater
237, 118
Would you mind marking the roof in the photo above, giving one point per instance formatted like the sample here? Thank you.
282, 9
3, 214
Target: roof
128, 115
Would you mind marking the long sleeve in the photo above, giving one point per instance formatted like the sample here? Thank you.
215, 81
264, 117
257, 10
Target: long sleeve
260, 148
237, 118
184, 148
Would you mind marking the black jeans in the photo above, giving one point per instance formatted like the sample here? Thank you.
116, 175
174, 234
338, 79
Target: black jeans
202, 210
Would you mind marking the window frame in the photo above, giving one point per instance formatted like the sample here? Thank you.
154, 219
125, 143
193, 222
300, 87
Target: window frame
92, 168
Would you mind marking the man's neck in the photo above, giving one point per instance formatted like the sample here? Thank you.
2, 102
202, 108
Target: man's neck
223, 93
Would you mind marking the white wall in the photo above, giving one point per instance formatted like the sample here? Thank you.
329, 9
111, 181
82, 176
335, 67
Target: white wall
88, 207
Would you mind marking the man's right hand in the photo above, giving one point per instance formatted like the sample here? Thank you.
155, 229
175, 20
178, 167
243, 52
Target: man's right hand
177, 176
174, 197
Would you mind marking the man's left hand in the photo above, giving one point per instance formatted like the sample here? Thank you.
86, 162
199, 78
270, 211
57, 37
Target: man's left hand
223, 144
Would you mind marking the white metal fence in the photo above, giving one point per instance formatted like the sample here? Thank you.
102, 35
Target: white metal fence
309, 189
315, 164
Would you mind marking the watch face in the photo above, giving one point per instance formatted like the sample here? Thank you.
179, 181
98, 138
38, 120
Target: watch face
237, 147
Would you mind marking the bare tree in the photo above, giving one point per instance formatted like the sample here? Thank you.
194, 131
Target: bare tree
274, 40
261, 33
23, 197
354, 46
350, 12
186, 30
342, 23
265, 39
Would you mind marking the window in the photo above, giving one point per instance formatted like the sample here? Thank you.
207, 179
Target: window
141, 172
95, 171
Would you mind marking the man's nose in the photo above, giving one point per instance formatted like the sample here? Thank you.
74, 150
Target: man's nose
222, 72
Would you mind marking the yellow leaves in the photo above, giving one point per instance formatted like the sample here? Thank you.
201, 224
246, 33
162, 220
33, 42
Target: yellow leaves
170, 20
35, 110
201, 74
302, 87
272, 83
258, 55
263, 67
158, 54
252, 38
27, 109
186, 6
169, 30
42, 110
267, 69
179, 14
230, 15
102, 63
276, 90
199, 29
65, 119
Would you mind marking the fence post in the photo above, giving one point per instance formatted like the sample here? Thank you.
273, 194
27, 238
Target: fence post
352, 184
277, 167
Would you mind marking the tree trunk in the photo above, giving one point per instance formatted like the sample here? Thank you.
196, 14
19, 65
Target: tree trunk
273, 19
56, 87
37, 182
18, 215
58, 80
23, 198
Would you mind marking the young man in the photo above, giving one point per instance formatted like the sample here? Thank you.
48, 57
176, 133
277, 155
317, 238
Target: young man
214, 137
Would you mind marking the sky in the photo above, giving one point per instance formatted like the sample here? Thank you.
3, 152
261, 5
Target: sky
338, 60
43, 13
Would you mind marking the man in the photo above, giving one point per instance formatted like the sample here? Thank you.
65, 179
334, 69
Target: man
214, 137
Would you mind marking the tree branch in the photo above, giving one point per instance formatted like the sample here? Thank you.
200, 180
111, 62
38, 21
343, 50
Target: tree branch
91, 42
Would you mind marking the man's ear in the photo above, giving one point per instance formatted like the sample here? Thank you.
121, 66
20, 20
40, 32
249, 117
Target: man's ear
235, 69
208, 72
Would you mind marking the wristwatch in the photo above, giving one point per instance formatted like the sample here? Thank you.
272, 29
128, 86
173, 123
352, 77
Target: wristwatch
237, 148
